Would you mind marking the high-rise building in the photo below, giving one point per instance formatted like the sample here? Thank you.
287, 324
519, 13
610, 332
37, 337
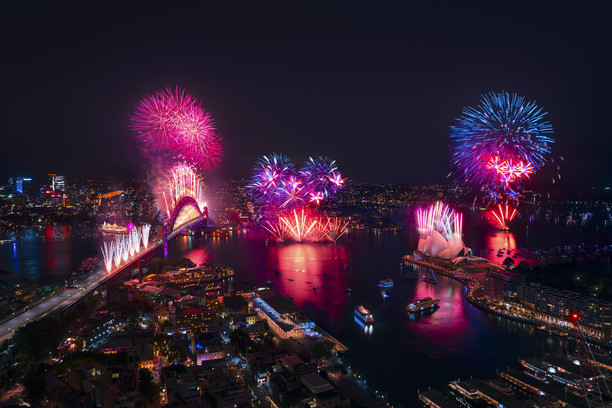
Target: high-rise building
21, 185
558, 305
57, 183
502, 285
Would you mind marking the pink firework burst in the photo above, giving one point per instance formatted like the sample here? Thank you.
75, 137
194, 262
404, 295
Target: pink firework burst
175, 121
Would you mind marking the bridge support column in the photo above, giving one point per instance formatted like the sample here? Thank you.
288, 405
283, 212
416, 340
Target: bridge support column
165, 241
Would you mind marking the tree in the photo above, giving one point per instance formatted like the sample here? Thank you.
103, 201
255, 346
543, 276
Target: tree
176, 354
523, 266
134, 310
508, 262
147, 388
165, 325
323, 348
162, 344
241, 341
34, 381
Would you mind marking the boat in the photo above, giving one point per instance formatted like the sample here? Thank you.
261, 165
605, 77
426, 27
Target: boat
113, 229
277, 272
314, 287
349, 290
384, 294
269, 282
364, 315
423, 304
387, 283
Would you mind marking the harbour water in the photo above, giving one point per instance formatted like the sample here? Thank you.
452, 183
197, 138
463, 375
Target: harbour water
401, 353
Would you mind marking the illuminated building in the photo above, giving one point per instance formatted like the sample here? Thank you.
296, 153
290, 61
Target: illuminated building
440, 230
235, 305
194, 318
284, 318
501, 285
557, 305
57, 182
21, 185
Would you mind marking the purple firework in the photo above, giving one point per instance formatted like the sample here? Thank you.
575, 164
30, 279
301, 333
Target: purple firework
271, 174
322, 178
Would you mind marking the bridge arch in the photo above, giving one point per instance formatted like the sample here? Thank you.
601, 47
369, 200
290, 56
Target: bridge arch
186, 213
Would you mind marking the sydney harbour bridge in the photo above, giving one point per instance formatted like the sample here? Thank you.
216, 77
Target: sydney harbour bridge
188, 212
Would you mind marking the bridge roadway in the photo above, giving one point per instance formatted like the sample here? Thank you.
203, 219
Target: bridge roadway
63, 300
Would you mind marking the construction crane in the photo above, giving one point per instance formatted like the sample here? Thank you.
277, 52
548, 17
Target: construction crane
589, 369
108, 195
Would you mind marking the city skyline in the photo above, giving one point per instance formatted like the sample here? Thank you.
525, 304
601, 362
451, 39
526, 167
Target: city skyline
294, 204
380, 86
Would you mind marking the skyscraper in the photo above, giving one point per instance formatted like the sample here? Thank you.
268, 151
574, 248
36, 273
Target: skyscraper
17, 184
57, 182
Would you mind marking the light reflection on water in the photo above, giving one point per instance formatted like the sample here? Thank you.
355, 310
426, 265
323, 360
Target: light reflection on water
457, 340
47, 256
429, 349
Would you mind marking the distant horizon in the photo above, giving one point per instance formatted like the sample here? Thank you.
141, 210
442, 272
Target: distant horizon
531, 186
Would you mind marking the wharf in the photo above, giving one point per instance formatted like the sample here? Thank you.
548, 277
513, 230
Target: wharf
340, 348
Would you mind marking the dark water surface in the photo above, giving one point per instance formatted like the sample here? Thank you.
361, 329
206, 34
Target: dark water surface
401, 353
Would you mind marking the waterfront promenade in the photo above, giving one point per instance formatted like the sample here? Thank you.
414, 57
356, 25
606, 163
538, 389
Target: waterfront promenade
474, 287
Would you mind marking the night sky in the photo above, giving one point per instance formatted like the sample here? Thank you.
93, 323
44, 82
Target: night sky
375, 85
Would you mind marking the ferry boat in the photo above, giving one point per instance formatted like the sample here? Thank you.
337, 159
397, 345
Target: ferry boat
387, 283
113, 229
364, 315
423, 304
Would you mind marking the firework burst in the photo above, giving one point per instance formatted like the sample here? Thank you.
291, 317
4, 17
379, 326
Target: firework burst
183, 180
498, 145
145, 231
334, 227
301, 225
174, 121
125, 247
439, 217
322, 178
292, 193
107, 255
270, 174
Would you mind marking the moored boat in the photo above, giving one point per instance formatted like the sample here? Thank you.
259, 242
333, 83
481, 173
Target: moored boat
425, 304
386, 283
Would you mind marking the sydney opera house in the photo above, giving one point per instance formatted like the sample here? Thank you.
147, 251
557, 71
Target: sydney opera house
440, 230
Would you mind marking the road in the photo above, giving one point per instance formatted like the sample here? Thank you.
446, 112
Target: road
67, 298
64, 299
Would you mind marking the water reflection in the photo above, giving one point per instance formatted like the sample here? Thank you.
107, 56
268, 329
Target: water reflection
457, 340
47, 255
304, 266
499, 245
367, 329
196, 253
